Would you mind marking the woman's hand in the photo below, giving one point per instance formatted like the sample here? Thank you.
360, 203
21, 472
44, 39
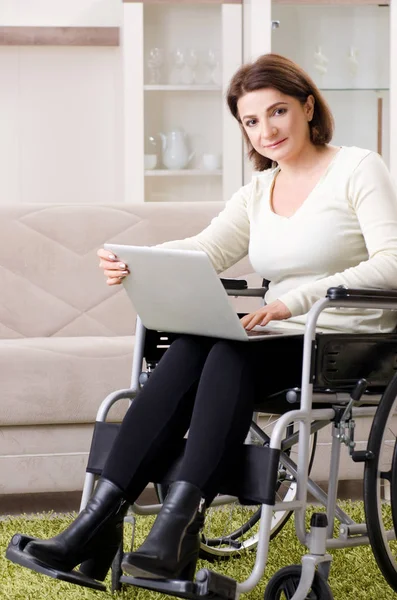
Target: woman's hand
275, 311
113, 269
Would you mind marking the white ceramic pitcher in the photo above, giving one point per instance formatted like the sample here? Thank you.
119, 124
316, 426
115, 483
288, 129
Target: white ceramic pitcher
175, 151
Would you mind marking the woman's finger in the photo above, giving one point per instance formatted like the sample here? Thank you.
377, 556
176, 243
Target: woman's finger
267, 319
244, 320
114, 280
256, 318
263, 316
115, 273
102, 253
248, 319
112, 266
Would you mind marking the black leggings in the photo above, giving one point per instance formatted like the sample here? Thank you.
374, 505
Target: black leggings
209, 387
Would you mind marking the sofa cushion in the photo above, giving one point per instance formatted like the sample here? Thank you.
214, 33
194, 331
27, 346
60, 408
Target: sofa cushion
65, 336
62, 380
49, 276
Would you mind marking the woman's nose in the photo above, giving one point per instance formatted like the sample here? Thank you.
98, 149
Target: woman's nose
267, 131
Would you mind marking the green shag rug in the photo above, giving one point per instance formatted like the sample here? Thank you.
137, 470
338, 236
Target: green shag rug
354, 573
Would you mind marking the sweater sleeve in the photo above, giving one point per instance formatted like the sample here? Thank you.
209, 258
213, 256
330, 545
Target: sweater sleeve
373, 198
226, 239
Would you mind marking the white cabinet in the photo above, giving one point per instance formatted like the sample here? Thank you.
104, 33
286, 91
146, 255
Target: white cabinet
177, 62
350, 50
349, 47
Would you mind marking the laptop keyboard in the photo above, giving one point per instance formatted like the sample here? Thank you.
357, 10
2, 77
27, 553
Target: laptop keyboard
262, 333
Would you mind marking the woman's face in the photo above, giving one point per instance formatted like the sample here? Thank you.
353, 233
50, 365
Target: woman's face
276, 124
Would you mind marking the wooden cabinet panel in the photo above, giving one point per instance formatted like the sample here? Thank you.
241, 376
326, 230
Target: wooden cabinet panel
59, 36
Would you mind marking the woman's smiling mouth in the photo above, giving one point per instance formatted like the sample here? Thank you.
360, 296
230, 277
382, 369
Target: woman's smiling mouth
275, 144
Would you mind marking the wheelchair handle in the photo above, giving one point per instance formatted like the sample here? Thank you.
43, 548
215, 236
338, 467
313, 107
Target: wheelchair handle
343, 293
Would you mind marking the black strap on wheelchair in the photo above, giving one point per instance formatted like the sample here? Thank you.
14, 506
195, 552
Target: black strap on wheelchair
102, 440
252, 476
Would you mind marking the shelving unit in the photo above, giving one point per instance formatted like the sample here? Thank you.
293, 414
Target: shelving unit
182, 88
352, 89
336, 2
359, 100
352, 71
182, 173
199, 109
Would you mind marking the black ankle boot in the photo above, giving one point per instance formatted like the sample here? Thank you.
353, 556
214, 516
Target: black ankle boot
172, 546
92, 539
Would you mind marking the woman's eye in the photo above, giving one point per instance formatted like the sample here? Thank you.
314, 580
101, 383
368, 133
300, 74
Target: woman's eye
250, 123
280, 111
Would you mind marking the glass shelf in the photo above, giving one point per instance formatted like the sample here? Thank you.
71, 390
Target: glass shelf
181, 92
218, 88
182, 88
181, 172
354, 89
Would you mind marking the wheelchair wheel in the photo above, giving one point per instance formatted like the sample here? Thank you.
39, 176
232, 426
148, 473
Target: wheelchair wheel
231, 528
283, 585
380, 485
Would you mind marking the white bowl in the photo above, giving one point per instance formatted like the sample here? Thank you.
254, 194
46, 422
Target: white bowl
211, 162
150, 161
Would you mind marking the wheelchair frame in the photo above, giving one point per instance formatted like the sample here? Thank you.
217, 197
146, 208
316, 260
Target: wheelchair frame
320, 537
344, 409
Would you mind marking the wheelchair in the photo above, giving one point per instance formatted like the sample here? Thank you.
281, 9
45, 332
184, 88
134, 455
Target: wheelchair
344, 376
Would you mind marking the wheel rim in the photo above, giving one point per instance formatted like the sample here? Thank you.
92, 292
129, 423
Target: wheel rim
289, 587
232, 528
384, 482
284, 583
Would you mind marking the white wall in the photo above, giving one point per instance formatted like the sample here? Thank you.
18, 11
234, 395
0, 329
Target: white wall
393, 83
67, 13
60, 108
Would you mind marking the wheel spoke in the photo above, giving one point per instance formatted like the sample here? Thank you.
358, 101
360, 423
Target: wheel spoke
230, 529
290, 588
385, 475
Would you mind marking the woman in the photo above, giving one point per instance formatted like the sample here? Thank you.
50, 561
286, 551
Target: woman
313, 217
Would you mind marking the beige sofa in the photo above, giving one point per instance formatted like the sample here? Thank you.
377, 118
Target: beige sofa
66, 338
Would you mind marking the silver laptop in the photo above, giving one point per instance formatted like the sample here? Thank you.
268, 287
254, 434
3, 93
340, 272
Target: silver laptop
179, 291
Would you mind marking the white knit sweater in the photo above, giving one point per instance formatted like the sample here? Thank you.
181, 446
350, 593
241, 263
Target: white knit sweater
345, 232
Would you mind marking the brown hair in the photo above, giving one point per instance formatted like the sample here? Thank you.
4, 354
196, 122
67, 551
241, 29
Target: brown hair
282, 74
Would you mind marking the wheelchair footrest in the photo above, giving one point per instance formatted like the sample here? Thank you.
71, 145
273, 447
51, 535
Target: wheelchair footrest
207, 585
16, 553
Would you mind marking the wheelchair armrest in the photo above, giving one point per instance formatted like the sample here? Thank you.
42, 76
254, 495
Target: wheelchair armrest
234, 284
344, 293
239, 287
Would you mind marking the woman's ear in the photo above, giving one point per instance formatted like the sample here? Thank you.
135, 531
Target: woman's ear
309, 107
